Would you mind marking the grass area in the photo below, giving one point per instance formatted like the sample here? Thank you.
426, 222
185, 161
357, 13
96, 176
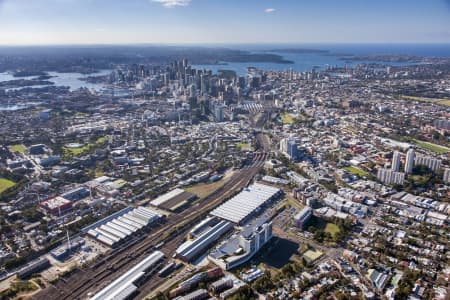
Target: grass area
244, 146
287, 118
444, 102
24, 286
76, 151
322, 224
432, 147
332, 228
98, 172
18, 287
18, 148
120, 182
85, 148
6, 184
203, 190
414, 98
81, 115
102, 139
418, 180
293, 202
356, 171
416, 177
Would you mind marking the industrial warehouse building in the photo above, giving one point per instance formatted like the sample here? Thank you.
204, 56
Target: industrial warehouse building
121, 225
125, 286
239, 208
33, 267
209, 234
173, 200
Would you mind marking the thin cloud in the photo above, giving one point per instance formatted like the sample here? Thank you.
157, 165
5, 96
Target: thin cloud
269, 10
172, 3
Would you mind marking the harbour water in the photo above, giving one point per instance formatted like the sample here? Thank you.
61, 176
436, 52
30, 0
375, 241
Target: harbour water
301, 61
72, 80
307, 61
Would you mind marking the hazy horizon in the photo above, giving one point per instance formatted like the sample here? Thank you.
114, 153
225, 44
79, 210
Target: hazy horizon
210, 22
201, 44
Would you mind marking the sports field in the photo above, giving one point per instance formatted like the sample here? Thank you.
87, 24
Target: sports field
6, 184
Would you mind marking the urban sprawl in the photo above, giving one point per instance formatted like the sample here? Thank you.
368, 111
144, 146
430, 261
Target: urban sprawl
173, 182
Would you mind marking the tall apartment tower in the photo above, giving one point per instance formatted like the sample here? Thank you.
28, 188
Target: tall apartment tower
447, 175
409, 164
396, 161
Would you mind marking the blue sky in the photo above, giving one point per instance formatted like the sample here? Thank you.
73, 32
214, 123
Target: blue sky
223, 21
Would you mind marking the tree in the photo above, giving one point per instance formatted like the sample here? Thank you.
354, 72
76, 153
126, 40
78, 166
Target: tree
264, 283
244, 293
32, 214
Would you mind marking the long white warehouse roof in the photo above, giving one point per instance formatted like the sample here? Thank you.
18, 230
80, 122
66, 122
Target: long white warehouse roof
167, 196
123, 287
122, 224
246, 202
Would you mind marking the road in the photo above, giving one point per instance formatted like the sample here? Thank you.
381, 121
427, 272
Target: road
94, 277
329, 252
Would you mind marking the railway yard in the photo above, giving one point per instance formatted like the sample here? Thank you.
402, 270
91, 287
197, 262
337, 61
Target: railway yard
174, 182
166, 236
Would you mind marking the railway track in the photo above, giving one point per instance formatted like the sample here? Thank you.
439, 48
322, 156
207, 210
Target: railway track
150, 285
172, 232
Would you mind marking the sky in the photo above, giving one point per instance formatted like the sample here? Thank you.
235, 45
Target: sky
60, 22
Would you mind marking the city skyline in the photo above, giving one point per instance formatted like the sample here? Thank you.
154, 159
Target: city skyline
62, 22
224, 149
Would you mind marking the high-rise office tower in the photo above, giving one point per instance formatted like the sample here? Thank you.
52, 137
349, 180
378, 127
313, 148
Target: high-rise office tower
192, 90
219, 112
185, 63
203, 83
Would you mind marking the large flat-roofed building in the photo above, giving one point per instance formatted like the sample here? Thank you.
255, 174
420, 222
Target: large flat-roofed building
126, 285
121, 225
76, 194
195, 247
302, 217
244, 204
195, 295
56, 206
275, 180
33, 267
173, 200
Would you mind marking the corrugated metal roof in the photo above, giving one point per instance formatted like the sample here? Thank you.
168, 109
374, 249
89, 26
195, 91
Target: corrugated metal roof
123, 286
246, 202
